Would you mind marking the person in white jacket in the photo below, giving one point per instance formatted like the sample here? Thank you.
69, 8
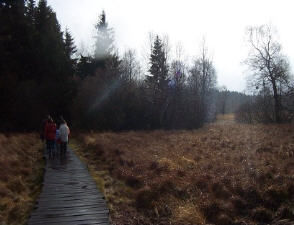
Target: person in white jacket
63, 135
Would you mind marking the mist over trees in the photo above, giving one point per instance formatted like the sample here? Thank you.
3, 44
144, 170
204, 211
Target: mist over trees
171, 95
41, 73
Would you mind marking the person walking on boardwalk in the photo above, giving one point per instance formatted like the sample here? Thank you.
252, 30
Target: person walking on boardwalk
50, 133
63, 135
57, 139
42, 130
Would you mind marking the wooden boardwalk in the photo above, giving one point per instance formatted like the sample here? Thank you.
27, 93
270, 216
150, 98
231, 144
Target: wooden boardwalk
69, 195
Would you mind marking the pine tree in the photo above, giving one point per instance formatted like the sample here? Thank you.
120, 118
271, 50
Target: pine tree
70, 47
31, 11
70, 50
36, 64
50, 44
53, 68
104, 44
14, 37
157, 83
104, 57
159, 68
85, 67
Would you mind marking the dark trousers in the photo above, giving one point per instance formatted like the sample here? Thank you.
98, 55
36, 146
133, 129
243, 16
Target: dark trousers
63, 148
50, 147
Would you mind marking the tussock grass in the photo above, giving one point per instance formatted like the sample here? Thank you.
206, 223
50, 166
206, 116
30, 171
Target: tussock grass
224, 173
20, 176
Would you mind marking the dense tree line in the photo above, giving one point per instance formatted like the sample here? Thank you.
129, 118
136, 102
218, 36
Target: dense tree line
36, 67
41, 74
171, 95
229, 102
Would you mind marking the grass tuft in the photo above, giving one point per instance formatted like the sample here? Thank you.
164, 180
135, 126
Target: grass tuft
21, 172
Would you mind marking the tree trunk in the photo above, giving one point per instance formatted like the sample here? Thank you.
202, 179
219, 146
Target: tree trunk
277, 103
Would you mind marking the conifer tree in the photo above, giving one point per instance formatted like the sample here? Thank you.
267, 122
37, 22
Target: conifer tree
104, 43
70, 50
157, 83
69, 47
14, 37
50, 44
105, 57
85, 66
31, 11
159, 68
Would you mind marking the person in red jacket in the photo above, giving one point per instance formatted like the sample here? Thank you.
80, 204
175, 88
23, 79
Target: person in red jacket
50, 133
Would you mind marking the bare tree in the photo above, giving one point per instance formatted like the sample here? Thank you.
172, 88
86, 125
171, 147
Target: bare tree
202, 80
178, 69
269, 66
176, 86
130, 66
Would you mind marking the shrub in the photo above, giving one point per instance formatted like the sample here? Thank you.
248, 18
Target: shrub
290, 190
118, 152
181, 193
240, 205
211, 211
262, 215
223, 219
201, 183
285, 212
14, 214
220, 191
244, 113
133, 182
274, 197
154, 165
130, 163
252, 196
145, 198
15, 185
167, 186
181, 173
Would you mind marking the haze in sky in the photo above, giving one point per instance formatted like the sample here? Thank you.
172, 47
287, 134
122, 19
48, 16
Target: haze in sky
221, 22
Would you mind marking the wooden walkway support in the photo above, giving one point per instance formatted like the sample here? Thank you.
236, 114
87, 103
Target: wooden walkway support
69, 195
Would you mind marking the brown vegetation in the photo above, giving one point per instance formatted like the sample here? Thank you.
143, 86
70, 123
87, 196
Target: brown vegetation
20, 176
222, 174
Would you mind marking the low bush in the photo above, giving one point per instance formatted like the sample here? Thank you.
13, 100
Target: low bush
262, 215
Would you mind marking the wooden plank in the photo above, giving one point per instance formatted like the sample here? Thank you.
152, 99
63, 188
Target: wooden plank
65, 190
95, 217
69, 196
71, 210
82, 185
101, 206
69, 216
68, 202
88, 222
52, 205
76, 193
69, 188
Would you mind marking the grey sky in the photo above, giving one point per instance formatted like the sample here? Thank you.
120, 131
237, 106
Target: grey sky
221, 22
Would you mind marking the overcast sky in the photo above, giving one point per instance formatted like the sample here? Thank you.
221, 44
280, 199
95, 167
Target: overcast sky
221, 22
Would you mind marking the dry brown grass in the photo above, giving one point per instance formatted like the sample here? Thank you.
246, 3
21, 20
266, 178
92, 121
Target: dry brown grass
224, 173
20, 176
